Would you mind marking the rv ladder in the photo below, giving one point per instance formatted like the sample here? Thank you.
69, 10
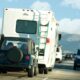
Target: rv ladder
43, 31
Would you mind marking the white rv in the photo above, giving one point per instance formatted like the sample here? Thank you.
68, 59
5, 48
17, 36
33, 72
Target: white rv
17, 21
48, 41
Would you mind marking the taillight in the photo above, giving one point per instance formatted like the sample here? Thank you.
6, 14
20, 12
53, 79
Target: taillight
47, 40
27, 57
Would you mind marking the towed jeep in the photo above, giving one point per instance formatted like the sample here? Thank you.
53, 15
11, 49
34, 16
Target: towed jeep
17, 44
17, 54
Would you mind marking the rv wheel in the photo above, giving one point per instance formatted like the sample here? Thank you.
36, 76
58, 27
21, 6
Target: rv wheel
41, 70
45, 71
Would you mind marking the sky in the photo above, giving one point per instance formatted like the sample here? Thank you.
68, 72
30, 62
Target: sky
67, 12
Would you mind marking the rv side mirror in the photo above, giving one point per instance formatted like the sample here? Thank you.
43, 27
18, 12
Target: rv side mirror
60, 36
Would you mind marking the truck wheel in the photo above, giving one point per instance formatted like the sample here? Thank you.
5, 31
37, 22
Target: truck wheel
45, 71
41, 70
31, 72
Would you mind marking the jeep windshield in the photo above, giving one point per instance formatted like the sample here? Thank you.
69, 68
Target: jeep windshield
26, 26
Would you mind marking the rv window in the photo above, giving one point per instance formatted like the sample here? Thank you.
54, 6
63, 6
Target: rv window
26, 26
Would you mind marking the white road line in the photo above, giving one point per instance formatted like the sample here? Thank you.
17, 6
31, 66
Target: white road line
45, 79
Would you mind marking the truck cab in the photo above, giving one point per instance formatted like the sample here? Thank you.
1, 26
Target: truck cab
17, 49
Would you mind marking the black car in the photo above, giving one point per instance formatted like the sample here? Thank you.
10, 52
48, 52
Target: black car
68, 56
18, 54
77, 60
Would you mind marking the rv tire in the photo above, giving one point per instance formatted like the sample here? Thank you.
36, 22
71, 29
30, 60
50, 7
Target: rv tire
40, 70
45, 71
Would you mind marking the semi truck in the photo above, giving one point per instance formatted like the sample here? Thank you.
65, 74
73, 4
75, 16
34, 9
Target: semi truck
29, 40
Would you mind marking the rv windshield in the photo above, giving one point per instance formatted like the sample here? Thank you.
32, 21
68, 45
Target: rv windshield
26, 26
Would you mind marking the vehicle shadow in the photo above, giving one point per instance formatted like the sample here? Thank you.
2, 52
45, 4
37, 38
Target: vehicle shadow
14, 74
66, 65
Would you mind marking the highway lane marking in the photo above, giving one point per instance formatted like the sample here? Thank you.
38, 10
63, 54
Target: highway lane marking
45, 79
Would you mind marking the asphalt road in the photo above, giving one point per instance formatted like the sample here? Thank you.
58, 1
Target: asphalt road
62, 71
